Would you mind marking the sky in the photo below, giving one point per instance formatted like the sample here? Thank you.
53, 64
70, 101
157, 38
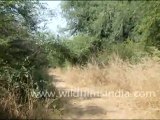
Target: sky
57, 21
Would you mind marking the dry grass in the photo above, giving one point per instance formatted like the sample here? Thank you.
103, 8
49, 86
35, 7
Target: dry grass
32, 109
144, 76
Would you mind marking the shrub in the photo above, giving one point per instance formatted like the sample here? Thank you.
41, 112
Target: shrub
23, 70
127, 51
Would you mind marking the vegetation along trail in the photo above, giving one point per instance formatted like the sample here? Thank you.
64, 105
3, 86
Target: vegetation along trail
101, 59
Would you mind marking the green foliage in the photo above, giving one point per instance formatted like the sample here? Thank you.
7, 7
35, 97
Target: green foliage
103, 19
80, 46
23, 61
83, 48
127, 28
57, 53
127, 51
98, 29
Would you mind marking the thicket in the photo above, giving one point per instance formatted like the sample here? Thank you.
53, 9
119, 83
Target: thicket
98, 29
129, 29
23, 61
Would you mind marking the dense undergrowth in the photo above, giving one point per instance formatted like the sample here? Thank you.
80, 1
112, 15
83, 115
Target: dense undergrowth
23, 63
98, 29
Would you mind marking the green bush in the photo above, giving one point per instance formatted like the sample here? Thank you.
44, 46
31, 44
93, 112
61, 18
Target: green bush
23, 69
128, 50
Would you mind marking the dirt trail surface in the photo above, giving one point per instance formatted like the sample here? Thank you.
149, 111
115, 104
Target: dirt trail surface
97, 107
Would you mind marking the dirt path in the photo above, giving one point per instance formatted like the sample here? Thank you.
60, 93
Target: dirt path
98, 107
